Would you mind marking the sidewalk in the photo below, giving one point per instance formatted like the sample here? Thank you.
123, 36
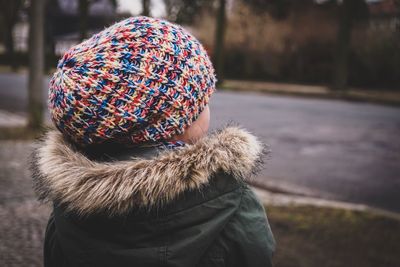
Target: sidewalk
11, 119
390, 97
272, 199
13, 127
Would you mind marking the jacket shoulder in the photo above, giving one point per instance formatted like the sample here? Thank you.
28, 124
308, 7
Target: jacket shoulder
247, 239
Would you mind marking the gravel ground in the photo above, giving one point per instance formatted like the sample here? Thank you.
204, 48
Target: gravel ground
22, 218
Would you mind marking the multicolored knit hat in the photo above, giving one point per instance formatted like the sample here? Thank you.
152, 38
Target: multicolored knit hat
140, 80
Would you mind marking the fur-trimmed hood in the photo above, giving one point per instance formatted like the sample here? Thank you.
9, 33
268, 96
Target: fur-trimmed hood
66, 176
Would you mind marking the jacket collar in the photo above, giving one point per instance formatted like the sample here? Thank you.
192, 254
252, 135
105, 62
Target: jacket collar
66, 176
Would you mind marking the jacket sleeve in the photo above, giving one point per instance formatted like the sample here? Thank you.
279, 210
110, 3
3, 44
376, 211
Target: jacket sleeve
248, 239
53, 255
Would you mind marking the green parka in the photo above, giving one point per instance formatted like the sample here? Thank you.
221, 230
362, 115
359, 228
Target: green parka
144, 207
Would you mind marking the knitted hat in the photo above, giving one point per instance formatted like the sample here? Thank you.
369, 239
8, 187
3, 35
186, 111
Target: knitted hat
140, 80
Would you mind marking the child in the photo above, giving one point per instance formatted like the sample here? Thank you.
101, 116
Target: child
132, 176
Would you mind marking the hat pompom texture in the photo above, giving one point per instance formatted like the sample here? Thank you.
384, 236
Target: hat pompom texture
140, 80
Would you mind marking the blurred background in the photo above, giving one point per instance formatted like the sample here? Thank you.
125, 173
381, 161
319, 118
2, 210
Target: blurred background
339, 43
317, 80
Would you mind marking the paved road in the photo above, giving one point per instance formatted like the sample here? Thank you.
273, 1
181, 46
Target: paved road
332, 149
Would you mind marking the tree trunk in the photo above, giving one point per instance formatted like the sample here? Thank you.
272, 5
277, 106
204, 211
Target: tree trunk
8, 39
83, 19
340, 71
36, 64
219, 41
146, 8
9, 45
9, 16
49, 47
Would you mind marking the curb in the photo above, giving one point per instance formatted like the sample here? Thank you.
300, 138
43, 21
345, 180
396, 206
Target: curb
286, 199
385, 97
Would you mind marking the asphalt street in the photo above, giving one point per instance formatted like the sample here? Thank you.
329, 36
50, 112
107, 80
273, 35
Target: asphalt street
328, 148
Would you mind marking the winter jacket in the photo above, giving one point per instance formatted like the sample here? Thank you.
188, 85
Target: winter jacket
148, 207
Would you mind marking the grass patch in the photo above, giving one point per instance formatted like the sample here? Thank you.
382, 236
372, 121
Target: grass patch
313, 236
20, 133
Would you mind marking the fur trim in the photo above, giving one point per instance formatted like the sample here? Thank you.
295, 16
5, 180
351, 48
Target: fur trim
66, 176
